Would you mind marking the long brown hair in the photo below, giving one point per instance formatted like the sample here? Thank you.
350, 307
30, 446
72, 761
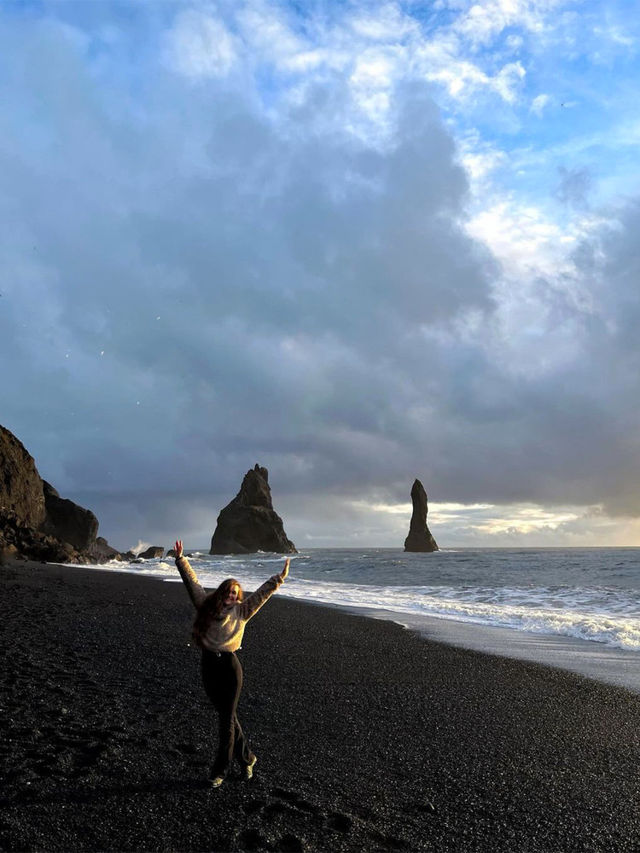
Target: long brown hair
212, 607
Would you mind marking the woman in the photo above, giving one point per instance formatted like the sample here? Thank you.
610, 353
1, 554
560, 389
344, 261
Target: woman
218, 628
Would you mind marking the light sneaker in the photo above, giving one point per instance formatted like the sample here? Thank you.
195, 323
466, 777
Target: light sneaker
248, 770
217, 781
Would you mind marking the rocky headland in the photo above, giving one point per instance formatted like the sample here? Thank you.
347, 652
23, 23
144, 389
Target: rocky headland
35, 522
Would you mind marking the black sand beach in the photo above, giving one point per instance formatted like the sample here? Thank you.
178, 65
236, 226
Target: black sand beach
368, 736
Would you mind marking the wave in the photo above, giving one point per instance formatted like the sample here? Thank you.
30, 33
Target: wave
595, 613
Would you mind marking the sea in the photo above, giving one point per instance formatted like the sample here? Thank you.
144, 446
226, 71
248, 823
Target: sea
573, 608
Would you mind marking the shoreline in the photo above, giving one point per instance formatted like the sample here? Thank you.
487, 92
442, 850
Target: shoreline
599, 661
368, 736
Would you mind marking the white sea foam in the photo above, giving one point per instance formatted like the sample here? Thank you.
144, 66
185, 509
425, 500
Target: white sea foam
594, 613
619, 629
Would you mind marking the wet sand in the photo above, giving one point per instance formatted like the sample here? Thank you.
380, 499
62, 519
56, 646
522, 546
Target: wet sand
368, 736
620, 667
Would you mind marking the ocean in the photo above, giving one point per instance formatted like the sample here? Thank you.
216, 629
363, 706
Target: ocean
576, 608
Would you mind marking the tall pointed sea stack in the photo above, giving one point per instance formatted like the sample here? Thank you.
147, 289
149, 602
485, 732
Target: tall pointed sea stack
419, 538
249, 523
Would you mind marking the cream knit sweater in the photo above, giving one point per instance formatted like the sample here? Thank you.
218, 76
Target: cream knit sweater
225, 633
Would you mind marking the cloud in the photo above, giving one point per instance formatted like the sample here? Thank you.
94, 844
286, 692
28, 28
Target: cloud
236, 287
200, 45
507, 80
261, 245
574, 186
539, 103
481, 23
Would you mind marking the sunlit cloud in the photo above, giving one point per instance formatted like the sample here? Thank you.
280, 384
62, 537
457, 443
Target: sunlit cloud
539, 103
200, 45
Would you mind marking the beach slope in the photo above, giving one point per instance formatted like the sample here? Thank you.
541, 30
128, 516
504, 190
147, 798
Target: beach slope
368, 737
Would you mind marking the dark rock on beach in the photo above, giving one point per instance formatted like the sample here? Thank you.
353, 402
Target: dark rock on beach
419, 538
249, 523
35, 522
25, 542
152, 552
101, 552
171, 553
67, 521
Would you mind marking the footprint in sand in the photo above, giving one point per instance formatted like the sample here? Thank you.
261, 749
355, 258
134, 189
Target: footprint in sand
252, 840
296, 800
341, 822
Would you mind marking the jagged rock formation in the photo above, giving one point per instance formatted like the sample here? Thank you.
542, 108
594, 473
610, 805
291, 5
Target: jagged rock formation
35, 522
150, 553
101, 552
249, 523
67, 521
419, 538
18, 540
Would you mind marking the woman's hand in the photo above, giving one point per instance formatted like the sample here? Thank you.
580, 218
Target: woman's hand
285, 571
178, 548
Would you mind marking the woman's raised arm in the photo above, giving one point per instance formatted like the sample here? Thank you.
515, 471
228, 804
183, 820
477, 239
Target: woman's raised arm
254, 602
196, 593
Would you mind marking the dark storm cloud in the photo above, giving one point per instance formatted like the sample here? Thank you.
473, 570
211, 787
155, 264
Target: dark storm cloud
194, 284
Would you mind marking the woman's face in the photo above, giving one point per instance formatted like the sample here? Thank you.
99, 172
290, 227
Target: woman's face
232, 597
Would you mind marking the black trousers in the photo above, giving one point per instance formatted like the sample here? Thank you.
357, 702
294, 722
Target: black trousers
222, 679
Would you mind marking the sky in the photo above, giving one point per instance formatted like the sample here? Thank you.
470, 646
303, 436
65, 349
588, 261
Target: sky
354, 242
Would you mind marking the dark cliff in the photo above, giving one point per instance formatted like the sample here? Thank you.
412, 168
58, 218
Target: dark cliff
35, 522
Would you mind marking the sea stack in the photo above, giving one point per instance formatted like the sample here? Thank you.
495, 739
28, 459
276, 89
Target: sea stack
249, 523
419, 538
